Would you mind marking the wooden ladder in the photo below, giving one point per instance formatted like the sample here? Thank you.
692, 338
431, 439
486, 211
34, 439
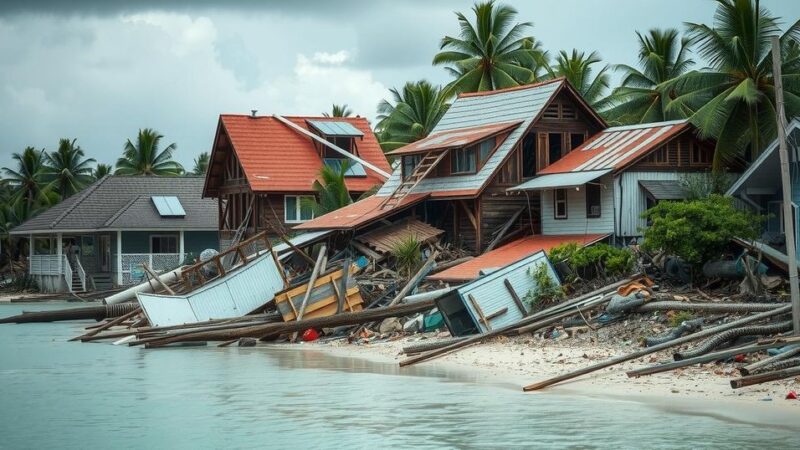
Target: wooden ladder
425, 166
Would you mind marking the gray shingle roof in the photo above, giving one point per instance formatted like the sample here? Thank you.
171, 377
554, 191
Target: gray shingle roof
123, 202
469, 111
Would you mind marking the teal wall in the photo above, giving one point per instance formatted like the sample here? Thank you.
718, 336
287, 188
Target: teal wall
193, 241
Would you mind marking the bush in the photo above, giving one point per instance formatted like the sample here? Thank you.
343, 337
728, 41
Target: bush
407, 253
602, 258
546, 290
698, 186
699, 230
677, 319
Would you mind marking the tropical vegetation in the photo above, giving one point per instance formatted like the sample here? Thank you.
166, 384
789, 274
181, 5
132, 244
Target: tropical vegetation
339, 111
201, 164
144, 157
410, 115
331, 190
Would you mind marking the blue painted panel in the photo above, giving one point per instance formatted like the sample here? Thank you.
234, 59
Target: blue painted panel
196, 241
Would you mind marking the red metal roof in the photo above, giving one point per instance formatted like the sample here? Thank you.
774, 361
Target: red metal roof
455, 138
617, 147
509, 253
360, 213
276, 158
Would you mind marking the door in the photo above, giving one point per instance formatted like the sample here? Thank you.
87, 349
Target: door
105, 253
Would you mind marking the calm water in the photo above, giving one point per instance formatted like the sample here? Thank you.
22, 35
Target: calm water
58, 394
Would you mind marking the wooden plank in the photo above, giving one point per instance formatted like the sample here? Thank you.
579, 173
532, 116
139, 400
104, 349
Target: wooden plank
497, 313
515, 297
478, 309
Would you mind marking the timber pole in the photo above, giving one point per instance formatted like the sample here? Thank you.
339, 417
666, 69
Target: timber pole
788, 216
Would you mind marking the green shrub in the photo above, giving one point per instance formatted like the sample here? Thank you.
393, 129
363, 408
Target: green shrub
546, 290
603, 257
407, 253
682, 316
697, 230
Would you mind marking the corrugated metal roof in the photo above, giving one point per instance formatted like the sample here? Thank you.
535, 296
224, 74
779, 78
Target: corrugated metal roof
385, 238
123, 202
507, 254
764, 168
615, 148
459, 137
237, 294
359, 213
561, 180
495, 107
335, 128
492, 296
664, 189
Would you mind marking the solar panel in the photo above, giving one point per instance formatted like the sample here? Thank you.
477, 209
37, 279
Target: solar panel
168, 206
354, 169
335, 128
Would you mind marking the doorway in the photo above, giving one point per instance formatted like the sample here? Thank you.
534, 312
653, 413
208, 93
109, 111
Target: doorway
105, 253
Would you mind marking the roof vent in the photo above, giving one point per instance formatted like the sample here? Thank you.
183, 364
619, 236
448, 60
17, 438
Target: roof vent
253, 112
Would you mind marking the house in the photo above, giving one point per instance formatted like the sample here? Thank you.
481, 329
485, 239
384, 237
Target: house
263, 167
100, 237
457, 177
759, 190
604, 185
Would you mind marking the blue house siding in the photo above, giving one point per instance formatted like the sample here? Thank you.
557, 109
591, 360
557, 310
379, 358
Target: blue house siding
196, 241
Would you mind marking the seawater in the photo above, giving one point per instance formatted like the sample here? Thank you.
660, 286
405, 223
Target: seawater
60, 394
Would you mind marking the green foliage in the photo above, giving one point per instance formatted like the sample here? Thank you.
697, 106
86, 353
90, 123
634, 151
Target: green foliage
577, 68
490, 53
29, 180
145, 158
547, 290
642, 96
416, 110
339, 111
101, 170
407, 253
605, 258
201, 164
697, 230
67, 169
331, 190
733, 100
682, 316
698, 186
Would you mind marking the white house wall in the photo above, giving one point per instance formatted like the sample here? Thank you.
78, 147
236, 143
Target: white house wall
634, 200
577, 222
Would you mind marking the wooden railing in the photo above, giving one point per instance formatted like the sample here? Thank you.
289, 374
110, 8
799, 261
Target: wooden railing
193, 277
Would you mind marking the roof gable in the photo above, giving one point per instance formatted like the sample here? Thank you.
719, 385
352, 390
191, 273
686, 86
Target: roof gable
276, 158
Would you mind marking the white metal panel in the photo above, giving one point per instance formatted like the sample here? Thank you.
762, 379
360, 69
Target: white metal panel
633, 200
559, 180
576, 221
164, 310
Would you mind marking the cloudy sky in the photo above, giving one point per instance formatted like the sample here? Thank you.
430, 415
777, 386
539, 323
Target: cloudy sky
98, 70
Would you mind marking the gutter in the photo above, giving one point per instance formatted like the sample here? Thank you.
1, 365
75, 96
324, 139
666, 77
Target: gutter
332, 146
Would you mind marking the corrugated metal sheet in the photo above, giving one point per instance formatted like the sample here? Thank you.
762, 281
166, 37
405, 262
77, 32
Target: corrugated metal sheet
634, 200
492, 295
561, 180
453, 138
234, 295
472, 111
385, 238
577, 221
664, 189
359, 213
302, 239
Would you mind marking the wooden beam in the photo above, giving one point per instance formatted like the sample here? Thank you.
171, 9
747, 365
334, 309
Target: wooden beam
504, 229
470, 216
516, 298
478, 309
497, 313
158, 280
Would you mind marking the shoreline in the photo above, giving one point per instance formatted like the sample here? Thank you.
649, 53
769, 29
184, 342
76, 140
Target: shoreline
520, 361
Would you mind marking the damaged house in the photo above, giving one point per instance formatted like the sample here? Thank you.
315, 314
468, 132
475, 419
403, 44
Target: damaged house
263, 167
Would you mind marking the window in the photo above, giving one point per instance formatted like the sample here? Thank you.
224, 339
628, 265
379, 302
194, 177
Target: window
163, 244
699, 154
554, 147
658, 157
44, 246
343, 142
529, 155
485, 150
462, 160
87, 245
560, 204
593, 201
575, 140
509, 174
295, 208
409, 163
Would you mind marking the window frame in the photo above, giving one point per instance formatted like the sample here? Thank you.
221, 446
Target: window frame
417, 157
474, 157
298, 208
550, 146
697, 150
164, 236
599, 188
556, 201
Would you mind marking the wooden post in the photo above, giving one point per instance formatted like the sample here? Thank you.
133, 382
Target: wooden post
788, 216
158, 280
323, 253
108, 324
415, 280
764, 377
305, 256
516, 298
478, 310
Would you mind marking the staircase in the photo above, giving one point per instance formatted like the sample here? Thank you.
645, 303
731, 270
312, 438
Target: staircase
102, 281
425, 166
76, 285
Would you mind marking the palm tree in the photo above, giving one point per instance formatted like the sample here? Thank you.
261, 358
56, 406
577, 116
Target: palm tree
643, 96
490, 54
733, 99
339, 111
577, 68
67, 169
145, 158
201, 164
101, 170
29, 179
416, 110
331, 191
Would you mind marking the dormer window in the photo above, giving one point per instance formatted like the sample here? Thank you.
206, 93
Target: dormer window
339, 133
462, 160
